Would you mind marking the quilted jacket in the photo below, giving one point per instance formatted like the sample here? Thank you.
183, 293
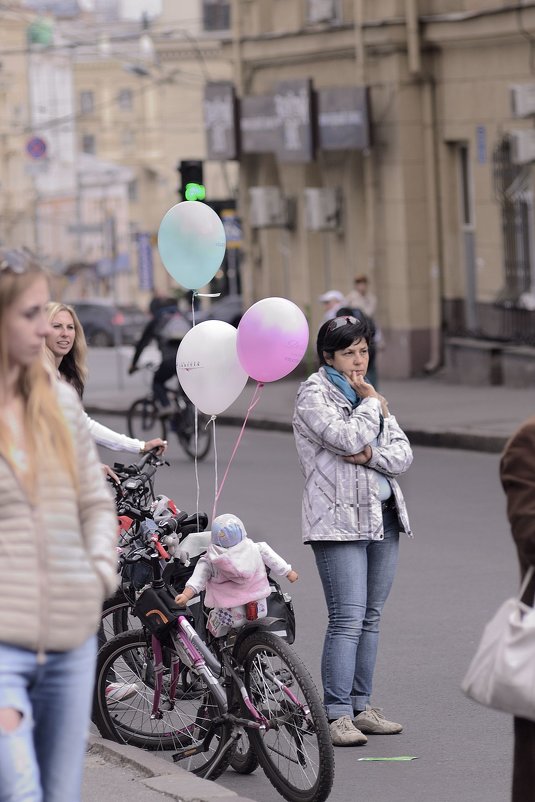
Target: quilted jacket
341, 500
58, 559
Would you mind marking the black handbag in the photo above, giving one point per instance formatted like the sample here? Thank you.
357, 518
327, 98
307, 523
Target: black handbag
279, 605
157, 610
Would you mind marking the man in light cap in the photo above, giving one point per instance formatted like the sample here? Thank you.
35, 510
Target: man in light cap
233, 572
332, 300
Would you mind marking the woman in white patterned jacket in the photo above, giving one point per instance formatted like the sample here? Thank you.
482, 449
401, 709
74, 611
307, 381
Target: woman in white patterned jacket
350, 449
58, 558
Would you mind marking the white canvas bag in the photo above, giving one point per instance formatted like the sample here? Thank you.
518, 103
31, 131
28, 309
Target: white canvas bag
502, 672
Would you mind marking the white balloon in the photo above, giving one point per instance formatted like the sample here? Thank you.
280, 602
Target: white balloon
208, 367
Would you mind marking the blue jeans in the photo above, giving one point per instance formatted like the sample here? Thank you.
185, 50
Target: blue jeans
42, 759
356, 577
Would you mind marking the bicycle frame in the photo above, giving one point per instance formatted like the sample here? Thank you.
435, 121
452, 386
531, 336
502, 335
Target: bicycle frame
194, 654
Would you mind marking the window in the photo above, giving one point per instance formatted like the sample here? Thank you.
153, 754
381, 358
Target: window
468, 248
132, 191
513, 186
216, 15
89, 144
322, 11
87, 102
128, 137
125, 99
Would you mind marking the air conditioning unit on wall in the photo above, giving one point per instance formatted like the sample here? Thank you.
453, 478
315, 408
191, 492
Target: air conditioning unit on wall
523, 146
522, 97
323, 208
269, 208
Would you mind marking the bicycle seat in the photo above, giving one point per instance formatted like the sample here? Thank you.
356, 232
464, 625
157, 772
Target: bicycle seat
194, 523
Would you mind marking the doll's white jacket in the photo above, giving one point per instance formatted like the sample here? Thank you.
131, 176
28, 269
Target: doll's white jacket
236, 575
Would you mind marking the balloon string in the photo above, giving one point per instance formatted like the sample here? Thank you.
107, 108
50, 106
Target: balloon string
193, 294
196, 462
196, 294
215, 464
254, 401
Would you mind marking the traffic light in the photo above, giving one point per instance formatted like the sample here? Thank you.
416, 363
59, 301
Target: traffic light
191, 180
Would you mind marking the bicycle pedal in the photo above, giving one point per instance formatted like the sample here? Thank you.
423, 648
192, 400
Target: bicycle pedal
188, 751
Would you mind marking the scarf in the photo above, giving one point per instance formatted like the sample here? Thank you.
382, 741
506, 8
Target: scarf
340, 381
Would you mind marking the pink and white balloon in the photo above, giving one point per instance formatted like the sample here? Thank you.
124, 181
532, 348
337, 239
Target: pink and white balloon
208, 368
272, 339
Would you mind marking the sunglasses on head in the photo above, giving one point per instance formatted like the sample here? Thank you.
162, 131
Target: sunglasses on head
14, 261
338, 322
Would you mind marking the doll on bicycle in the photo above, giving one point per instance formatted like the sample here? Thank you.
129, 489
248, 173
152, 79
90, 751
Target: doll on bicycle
233, 573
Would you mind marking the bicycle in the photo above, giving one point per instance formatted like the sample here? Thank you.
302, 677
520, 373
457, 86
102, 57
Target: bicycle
135, 498
147, 419
200, 701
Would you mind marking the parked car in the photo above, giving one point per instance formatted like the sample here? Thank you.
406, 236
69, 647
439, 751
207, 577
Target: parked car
106, 324
230, 309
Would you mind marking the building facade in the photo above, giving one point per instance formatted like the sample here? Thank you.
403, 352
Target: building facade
433, 201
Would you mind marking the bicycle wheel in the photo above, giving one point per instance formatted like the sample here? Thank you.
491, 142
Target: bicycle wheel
143, 420
244, 759
127, 661
115, 617
184, 425
295, 751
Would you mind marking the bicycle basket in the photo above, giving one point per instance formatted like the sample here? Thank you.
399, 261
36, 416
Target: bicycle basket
156, 609
279, 605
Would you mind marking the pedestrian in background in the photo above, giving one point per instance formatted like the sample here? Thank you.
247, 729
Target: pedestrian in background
517, 474
167, 327
331, 301
360, 296
58, 559
350, 449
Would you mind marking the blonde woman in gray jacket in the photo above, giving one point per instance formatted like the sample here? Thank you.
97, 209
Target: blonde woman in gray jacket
57, 553
350, 449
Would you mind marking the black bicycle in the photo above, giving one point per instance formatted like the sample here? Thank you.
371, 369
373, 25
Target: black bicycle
147, 419
135, 498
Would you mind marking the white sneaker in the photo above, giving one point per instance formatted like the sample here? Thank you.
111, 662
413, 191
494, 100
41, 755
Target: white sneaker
345, 733
119, 691
373, 722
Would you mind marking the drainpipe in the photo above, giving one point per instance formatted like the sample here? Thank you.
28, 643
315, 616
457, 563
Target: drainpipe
414, 57
369, 188
434, 225
413, 37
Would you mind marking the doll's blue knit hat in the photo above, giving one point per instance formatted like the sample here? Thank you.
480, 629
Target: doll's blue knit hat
227, 530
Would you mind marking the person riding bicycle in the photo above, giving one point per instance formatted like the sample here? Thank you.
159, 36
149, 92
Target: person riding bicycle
167, 326
233, 573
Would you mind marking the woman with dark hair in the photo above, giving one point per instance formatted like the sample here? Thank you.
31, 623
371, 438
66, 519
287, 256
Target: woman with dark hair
350, 449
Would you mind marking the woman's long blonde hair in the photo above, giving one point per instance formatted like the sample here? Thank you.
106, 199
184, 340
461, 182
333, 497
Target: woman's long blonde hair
46, 430
73, 366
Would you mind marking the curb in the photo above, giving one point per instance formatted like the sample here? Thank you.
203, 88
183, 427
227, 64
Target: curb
464, 441
162, 775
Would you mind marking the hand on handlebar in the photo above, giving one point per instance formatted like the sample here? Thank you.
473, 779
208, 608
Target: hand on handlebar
109, 474
157, 444
184, 597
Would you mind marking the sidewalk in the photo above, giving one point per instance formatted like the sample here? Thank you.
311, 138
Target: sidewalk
431, 411
114, 771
